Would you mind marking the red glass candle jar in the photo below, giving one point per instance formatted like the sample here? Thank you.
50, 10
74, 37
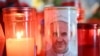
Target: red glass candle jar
88, 40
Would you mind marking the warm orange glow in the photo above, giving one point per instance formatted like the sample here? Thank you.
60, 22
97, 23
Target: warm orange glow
19, 14
39, 44
19, 34
2, 40
98, 32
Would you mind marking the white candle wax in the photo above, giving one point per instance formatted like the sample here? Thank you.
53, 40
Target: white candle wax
20, 47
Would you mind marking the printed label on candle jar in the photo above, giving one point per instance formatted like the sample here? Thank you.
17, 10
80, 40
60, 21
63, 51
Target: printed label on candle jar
60, 31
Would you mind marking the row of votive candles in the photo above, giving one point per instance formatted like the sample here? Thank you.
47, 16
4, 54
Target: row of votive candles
60, 35
88, 42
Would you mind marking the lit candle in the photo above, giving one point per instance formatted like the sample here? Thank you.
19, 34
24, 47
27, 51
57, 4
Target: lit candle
20, 46
19, 31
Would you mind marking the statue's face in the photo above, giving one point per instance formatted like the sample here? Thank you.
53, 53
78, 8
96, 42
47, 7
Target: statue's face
59, 36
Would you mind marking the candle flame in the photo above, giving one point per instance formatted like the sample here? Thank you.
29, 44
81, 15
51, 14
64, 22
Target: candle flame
19, 34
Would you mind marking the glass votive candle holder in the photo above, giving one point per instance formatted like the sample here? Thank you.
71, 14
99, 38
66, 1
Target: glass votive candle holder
60, 25
88, 39
19, 30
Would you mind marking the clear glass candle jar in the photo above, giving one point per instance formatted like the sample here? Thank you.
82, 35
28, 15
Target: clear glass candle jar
60, 31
